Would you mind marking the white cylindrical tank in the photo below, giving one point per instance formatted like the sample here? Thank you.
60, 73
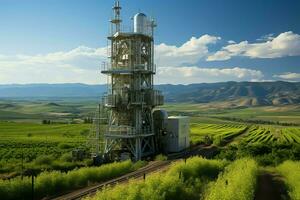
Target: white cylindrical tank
140, 23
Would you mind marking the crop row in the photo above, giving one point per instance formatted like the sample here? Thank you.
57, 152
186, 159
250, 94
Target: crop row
261, 134
30, 140
216, 133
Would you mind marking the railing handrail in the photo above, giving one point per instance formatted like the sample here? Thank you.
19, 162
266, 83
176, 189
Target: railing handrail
106, 66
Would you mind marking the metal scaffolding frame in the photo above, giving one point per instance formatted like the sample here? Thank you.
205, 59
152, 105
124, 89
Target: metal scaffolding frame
131, 96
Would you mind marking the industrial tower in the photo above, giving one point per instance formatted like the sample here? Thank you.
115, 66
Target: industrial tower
131, 96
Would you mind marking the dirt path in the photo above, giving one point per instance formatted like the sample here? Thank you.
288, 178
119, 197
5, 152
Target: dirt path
270, 186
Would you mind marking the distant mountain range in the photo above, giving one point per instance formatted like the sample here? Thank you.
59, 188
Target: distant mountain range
52, 90
238, 93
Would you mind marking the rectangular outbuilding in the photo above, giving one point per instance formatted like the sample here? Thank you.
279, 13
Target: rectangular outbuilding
178, 133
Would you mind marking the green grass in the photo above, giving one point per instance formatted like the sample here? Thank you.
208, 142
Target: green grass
220, 111
181, 181
52, 183
216, 133
237, 182
273, 134
62, 110
32, 140
290, 170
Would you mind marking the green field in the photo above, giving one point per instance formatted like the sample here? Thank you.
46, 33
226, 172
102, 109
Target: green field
214, 133
273, 134
222, 113
59, 110
247, 139
31, 141
198, 178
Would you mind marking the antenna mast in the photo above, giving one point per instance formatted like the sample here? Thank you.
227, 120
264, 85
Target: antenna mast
117, 18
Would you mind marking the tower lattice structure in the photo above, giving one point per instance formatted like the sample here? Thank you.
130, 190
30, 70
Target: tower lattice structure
131, 96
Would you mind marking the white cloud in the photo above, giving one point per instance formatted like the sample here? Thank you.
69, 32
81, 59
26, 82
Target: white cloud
285, 44
187, 75
188, 53
289, 76
231, 42
267, 37
81, 64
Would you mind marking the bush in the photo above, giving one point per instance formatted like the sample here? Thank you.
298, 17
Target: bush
15, 189
218, 140
236, 183
64, 146
291, 171
67, 157
84, 132
49, 183
139, 164
265, 154
44, 160
161, 157
181, 181
198, 167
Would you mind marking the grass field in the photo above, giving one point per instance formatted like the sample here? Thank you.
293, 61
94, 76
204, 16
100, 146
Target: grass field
273, 134
291, 171
209, 124
31, 140
198, 178
214, 133
219, 112
269, 135
59, 110
181, 181
51, 183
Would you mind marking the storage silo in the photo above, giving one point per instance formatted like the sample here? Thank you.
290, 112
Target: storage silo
140, 23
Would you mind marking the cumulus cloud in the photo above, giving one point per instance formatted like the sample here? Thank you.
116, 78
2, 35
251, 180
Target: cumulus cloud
188, 53
82, 64
285, 44
77, 65
187, 75
290, 76
175, 64
267, 37
231, 42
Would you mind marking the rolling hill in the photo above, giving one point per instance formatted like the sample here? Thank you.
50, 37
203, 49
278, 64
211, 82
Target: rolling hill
235, 93
239, 93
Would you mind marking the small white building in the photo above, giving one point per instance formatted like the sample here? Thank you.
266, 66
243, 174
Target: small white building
178, 136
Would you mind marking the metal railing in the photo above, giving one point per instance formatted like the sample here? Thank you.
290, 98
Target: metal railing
106, 66
121, 130
126, 131
149, 97
123, 29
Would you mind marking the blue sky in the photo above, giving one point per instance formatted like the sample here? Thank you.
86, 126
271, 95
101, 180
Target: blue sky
56, 41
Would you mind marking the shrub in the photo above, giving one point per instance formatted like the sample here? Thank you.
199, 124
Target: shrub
15, 189
67, 157
84, 132
181, 181
198, 167
49, 183
291, 171
139, 164
44, 160
236, 183
161, 157
64, 146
